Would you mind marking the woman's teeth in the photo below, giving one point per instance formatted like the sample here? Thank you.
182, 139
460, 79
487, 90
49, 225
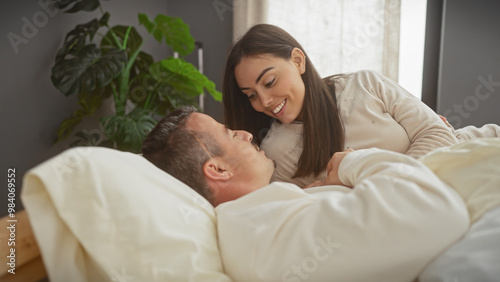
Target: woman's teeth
279, 107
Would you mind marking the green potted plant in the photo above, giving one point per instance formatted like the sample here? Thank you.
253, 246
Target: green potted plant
117, 68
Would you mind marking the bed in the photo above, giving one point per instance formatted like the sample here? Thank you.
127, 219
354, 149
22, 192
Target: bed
97, 214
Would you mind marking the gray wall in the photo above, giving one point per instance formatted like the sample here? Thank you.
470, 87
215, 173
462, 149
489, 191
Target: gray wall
469, 75
210, 23
31, 109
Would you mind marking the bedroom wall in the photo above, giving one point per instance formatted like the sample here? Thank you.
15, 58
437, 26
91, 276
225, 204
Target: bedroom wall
31, 109
468, 90
211, 23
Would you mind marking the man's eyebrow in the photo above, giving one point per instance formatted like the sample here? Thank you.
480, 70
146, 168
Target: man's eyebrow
259, 77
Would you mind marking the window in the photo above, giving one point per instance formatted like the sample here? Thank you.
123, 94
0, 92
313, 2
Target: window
411, 47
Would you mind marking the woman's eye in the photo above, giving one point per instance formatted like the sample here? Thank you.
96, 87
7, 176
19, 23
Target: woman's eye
270, 82
251, 96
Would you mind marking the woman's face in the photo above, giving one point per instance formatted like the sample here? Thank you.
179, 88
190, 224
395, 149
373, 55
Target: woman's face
274, 85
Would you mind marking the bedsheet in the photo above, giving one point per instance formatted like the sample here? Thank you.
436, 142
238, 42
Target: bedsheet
475, 258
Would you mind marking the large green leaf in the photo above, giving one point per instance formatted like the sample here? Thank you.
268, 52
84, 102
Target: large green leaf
127, 132
134, 41
69, 124
88, 138
141, 87
173, 30
89, 103
92, 101
77, 38
87, 70
142, 63
80, 5
170, 99
183, 77
162, 98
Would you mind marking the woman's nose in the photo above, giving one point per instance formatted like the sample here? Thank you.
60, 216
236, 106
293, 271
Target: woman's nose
266, 100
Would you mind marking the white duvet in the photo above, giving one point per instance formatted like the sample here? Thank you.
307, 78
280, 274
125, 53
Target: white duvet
104, 215
396, 220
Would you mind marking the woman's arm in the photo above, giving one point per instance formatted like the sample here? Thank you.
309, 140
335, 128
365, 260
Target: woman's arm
425, 129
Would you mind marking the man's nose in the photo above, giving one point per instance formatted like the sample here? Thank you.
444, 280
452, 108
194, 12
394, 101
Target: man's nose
245, 135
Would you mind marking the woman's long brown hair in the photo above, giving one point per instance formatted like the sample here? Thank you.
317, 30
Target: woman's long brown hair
323, 134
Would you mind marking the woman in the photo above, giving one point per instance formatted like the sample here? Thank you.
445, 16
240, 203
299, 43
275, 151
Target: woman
272, 90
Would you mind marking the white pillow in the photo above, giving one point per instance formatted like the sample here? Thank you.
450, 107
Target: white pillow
104, 215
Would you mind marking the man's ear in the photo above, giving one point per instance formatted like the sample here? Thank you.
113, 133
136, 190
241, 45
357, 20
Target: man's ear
216, 169
299, 59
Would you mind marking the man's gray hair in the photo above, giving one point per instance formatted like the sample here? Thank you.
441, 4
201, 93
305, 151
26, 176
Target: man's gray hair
182, 152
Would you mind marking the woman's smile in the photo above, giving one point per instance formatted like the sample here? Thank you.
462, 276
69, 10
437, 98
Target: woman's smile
279, 109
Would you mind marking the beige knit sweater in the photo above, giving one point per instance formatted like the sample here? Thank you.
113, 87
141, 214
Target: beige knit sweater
375, 112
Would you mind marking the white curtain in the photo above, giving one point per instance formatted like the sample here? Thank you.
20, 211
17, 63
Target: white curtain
247, 13
338, 35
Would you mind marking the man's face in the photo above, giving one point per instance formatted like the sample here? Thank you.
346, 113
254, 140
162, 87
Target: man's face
243, 159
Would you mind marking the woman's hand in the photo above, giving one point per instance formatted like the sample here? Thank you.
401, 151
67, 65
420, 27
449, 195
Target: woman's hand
445, 121
332, 171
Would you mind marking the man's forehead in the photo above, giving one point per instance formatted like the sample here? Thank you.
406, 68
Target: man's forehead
201, 122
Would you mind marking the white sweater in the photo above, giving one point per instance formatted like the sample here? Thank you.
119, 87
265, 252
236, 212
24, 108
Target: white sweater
375, 112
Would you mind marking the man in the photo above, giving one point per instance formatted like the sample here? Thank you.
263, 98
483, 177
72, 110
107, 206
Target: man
397, 217
220, 164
